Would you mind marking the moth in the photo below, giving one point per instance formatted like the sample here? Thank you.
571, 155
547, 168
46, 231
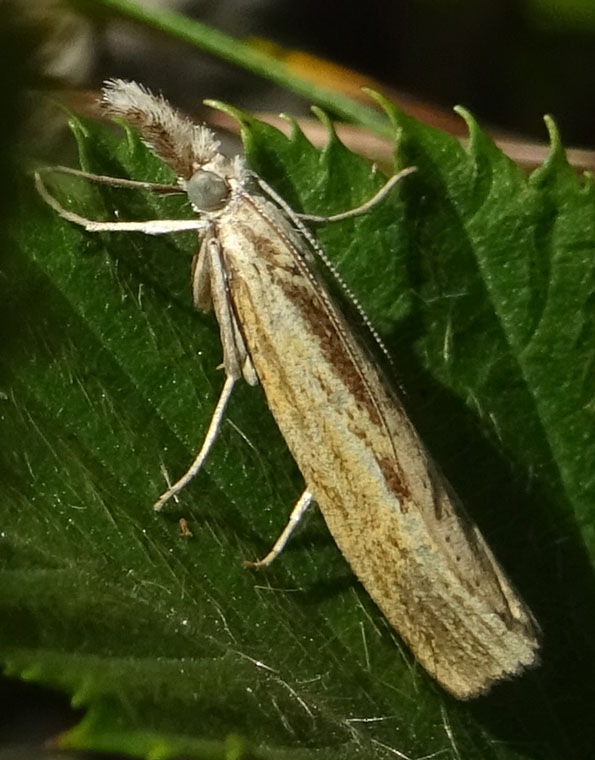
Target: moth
389, 509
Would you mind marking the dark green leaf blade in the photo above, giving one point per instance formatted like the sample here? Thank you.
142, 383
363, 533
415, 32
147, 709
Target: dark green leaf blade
168, 641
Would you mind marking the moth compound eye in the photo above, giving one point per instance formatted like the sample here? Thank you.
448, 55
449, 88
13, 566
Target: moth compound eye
207, 191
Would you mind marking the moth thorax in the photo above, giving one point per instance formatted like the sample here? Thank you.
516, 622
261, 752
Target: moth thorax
207, 191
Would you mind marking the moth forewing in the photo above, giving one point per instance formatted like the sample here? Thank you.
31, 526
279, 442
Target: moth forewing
389, 509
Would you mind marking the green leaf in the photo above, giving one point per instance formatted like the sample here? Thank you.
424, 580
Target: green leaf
481, 282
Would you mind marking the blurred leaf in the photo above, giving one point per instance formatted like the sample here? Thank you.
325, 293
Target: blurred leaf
481, 282
576, 15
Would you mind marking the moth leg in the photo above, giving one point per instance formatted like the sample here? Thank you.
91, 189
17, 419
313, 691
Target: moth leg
296, 515
210, 437
358, 211
236, 357
365, 207
200, 277
150, 227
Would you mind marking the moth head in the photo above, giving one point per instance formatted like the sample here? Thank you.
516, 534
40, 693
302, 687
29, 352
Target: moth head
207, 191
